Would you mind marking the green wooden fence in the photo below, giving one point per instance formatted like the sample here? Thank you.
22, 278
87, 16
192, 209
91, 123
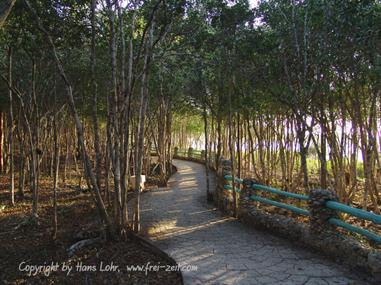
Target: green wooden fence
339, 207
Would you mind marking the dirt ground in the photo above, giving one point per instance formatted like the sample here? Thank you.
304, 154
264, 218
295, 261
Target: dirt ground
24, 244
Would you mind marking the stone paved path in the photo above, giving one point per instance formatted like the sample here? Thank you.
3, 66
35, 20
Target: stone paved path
225, 251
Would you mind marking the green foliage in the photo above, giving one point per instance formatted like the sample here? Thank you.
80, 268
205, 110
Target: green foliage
190, 124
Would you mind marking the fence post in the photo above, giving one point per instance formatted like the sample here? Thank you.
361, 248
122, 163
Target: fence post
225, 197
219, 193
319, 213
203, 157
244, 196
190, 152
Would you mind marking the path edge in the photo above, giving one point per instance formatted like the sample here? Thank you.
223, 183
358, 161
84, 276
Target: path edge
152, 247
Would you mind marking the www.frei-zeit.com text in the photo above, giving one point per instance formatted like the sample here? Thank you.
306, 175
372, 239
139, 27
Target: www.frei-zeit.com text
47, 269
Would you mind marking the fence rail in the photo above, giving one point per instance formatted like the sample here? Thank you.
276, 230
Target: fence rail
365, 215
279, 192
280, 205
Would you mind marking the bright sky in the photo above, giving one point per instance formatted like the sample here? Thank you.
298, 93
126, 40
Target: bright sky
253, 3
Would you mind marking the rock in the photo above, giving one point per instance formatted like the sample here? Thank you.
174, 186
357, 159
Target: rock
374, 261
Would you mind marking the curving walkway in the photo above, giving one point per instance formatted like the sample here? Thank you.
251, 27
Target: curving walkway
224, 250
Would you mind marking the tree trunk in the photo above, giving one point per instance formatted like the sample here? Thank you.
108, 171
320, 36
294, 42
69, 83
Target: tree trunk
21, 138
219, 140
239, 146
114, 118
301, 133
323, 154
209, 195
10, 124
139, 142
97, 148
125, 120
5, 9
1, 142
57, 140
232, 156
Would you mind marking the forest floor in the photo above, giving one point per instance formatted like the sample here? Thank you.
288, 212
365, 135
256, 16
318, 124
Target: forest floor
24, 244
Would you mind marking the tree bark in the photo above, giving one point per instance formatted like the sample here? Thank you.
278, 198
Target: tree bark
1, 142
21, 138
57, 140
97, 148
139, 142
209, 196
5, 9
10, 124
